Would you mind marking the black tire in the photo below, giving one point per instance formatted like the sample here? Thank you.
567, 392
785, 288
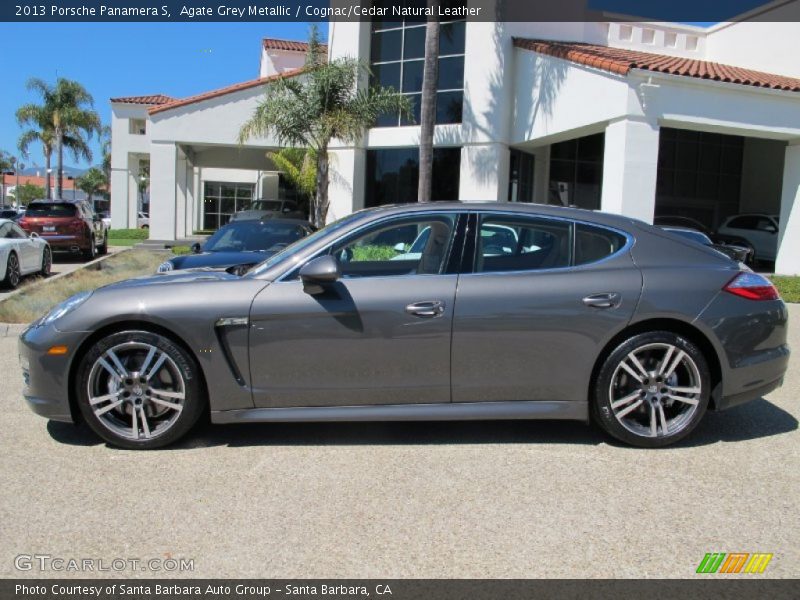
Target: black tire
103, 249
13, 275
130, 347
91, 252
643, 413
47, 262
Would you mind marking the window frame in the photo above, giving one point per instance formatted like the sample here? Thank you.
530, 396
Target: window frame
452, 263
470, 254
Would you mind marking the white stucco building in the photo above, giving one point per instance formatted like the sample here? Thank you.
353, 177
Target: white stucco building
638, 118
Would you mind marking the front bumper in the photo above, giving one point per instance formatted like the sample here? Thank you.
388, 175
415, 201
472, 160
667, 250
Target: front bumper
46, 377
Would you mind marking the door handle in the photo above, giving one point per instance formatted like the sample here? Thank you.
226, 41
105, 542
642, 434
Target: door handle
427, 309
609, 300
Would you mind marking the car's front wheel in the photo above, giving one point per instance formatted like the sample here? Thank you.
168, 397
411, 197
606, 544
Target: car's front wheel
13, 273
652, 390
47, 262
139, 390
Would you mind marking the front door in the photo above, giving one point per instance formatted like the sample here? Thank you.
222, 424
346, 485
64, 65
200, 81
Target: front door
379, 335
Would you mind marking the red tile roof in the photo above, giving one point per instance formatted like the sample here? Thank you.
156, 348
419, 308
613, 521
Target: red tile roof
289, 45
621, 61
237, 87
153, 99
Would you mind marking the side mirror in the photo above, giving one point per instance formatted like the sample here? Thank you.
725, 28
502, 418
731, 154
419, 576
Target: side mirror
400, 247
33, 234
196, 248
318, 272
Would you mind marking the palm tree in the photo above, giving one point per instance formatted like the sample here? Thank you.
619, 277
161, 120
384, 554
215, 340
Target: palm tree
105, 149
324, 103
298, 166
7, 163
430, 76
69, 113
91, 182
39, 129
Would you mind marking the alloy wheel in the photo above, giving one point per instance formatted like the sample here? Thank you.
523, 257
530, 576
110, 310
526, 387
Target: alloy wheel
12, 271
655, 390
136, 391
47, 261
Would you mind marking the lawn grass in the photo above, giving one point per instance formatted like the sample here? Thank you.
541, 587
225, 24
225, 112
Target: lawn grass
789, 287
30, 304
123, 242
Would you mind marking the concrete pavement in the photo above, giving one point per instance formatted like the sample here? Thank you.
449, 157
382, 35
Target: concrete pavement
494, 499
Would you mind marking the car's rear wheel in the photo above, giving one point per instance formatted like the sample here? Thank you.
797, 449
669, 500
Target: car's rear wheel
103, 249
47, 262
91, 252
139, 390
652, 390
12, 274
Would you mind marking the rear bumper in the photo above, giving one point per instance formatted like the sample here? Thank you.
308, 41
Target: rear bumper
66, 242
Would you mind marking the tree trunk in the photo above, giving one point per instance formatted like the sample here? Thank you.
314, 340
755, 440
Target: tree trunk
47, 193
320, 209
428, 109
60, 164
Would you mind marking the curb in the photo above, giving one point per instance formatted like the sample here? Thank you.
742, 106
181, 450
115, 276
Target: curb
11, 329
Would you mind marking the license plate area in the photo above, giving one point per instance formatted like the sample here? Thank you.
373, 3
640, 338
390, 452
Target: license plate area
48, 228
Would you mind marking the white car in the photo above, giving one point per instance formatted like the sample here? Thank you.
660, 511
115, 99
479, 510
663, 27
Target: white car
761, 231
21, 254
143, 220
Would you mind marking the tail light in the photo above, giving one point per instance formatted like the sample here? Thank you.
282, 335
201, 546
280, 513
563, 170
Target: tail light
752, 286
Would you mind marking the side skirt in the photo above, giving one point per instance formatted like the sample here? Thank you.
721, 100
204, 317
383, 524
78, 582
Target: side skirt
468, 411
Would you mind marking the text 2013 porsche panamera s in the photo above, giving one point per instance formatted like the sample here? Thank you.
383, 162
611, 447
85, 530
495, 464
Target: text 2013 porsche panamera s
422, 312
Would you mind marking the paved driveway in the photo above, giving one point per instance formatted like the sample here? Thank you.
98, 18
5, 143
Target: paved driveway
496, 499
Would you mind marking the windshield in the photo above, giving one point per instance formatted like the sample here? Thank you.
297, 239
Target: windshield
254, 237
291, 251
266, 205
51, 209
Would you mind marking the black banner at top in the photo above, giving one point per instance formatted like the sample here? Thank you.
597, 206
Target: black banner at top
359, 10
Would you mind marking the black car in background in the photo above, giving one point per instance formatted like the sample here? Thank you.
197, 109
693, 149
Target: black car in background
718, 239
241, 244
265, 209
735, 251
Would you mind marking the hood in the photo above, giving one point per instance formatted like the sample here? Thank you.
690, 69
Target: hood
218, 260
173, 278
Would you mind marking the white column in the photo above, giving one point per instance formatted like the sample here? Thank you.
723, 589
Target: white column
484, 172
134, 195
163, 190
788, 260
181, 192
630, 169
346, 181
119, 197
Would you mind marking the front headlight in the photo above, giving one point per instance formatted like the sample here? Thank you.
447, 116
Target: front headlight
165, 266
65, 307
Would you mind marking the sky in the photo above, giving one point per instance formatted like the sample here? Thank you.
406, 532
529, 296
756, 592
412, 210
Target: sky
121, 59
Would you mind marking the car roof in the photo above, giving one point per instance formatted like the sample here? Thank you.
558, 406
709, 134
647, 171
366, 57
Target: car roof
3, 221
53, 201
266, 221
524, 208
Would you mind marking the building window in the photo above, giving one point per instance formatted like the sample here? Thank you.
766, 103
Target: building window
397, 59
576, 172
625, 33
137, 126
671, 40
520, 181
699, 174
393, 175
648, 36
222, 199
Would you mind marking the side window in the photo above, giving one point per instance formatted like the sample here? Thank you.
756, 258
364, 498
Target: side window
17, 232
5, 231
765, 224
522, 244
594, 243
743, 223
391, 249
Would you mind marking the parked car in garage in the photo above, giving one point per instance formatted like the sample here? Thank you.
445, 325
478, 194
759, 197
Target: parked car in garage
682, 222
143, 220
21, 254
262, 209
761, 231
736, 252
67, 226
240, 245
589, 316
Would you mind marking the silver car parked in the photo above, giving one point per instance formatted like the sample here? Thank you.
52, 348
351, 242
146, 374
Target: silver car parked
509, 311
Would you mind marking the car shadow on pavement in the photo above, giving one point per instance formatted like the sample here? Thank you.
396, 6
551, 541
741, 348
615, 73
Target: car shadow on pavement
754, 420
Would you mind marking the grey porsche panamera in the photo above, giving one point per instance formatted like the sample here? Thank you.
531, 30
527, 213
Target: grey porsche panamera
445, 311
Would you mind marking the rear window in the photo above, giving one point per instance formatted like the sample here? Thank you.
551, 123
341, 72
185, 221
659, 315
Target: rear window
593, 244
55, 209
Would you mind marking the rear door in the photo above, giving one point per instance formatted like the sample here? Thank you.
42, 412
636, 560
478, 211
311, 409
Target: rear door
29, 255
539, 298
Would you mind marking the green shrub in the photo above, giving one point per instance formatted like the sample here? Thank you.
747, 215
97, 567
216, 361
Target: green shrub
128, 234
364, 253
178, 250
789, 287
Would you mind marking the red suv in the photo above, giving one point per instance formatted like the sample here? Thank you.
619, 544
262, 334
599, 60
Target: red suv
67, 226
